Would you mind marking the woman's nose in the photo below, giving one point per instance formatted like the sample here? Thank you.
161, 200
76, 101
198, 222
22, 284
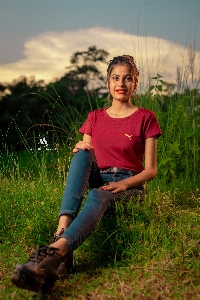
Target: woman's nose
121, 82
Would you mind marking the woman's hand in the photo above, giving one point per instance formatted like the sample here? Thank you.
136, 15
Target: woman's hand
115, 187
83, 146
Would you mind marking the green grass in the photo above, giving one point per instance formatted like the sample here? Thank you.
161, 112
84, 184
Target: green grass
143, 251
146, 250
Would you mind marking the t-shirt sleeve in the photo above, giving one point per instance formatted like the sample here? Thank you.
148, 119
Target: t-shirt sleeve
152, 127
86, 128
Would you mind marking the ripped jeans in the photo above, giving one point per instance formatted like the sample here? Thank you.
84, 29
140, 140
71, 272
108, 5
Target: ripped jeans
84, 170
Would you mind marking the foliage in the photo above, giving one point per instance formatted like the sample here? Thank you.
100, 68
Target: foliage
144, 250
27, 104
32, 111
150, 248
179, 117
92, 55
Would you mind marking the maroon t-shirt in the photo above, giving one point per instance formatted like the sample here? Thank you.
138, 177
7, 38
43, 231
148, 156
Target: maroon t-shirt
120, 142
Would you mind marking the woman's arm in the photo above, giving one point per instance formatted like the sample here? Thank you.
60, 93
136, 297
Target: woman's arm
84, 144
147, 174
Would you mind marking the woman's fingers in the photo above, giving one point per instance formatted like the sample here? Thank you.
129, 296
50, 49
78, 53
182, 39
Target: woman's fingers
82, 145
115, 187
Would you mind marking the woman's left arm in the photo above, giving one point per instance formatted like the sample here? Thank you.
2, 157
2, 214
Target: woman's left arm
147, 174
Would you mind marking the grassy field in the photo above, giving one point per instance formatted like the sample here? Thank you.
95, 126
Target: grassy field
146, 250
143, 251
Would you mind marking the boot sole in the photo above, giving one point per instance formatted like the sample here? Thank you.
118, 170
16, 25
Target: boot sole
24, 278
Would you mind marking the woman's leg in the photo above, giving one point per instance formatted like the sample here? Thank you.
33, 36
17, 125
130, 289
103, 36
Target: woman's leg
83, 169
97, 202
39, 273
41, 270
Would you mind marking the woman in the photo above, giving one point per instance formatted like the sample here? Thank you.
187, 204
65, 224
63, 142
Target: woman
109, 158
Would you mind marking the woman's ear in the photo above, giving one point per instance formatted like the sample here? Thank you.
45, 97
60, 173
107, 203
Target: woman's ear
136, 83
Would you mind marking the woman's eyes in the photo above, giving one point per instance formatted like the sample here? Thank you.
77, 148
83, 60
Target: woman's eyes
129, 78
114, 77
126, 78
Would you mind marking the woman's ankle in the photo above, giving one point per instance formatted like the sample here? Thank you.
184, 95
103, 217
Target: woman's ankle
59, 231
62, 245
64, 222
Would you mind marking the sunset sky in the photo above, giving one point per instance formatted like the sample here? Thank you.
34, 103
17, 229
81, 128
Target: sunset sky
38, 37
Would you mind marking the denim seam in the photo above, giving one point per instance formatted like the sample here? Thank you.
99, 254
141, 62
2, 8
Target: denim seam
71, 212
66, 212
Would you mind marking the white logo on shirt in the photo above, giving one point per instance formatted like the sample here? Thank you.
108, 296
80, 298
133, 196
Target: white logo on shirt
129, 136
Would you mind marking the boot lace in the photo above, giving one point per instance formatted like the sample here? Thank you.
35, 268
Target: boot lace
38, 255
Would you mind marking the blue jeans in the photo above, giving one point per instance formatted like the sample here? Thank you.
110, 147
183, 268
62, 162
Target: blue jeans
83, 171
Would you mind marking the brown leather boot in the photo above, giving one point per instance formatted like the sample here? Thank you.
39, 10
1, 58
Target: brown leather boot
40, 272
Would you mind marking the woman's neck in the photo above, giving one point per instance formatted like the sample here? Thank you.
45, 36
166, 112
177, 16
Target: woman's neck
121, 109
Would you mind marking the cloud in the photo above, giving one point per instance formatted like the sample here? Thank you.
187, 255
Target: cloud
47, 55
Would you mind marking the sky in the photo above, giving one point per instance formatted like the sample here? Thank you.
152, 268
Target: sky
38, 37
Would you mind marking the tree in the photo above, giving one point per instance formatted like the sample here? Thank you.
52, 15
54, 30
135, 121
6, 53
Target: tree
85, 67
92, 55
27, 104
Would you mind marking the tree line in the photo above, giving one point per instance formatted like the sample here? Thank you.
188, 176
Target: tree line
30, 108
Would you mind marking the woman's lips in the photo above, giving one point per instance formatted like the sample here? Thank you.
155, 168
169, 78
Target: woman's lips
121, 91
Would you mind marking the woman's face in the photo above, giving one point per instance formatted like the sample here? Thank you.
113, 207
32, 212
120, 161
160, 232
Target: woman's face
121, 83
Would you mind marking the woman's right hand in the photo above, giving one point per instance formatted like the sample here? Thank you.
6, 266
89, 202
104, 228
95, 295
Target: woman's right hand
83, 146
